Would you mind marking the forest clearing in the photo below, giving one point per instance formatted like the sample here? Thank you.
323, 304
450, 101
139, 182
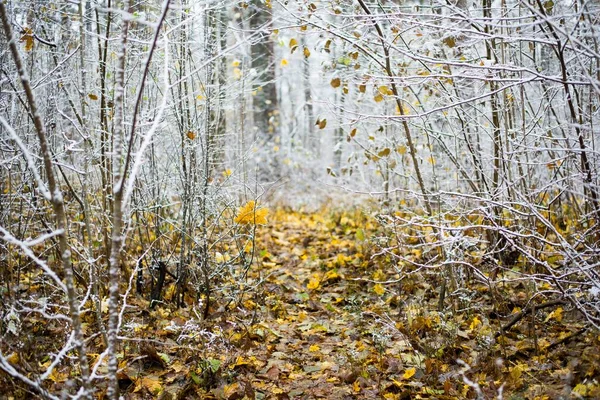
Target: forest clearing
296, 199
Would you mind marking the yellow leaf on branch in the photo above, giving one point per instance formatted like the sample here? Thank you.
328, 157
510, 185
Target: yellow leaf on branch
249, 214
27, 38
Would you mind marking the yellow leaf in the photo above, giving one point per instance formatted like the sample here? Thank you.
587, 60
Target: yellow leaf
191, 135
556, 314
335, 82
237, 73
199, 97
475, 323
379, 275
331, 275
313, 284
581, 389
401, 149
284, 62
384, 153
92, 96
409, 373
314, 348
249, 214
27, 38
379, 289
229, 391
13, 358
306, 52
431, 160
150, 383
356, 386
293, 43
385, 90
378, 98
235, 63
405, 110
362, 88
227, 172
302, 316
322, 123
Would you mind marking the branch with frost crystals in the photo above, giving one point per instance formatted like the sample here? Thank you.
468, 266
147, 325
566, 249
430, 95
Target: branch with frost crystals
138, 101
7, 237
148, 137
7, 367
467, 381
59, 357
58, 206
38, 180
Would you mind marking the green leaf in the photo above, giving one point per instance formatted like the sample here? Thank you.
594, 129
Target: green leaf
214, 364
360, 234
195, 377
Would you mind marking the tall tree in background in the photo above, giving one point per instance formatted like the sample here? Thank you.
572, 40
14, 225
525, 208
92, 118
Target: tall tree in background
265, 104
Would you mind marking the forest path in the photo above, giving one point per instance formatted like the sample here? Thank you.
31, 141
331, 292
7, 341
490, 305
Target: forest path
330, 320
328, 332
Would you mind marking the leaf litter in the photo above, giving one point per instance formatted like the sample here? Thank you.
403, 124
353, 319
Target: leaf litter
325, 315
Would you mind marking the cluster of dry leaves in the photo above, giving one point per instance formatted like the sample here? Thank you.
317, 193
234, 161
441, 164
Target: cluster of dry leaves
332, 319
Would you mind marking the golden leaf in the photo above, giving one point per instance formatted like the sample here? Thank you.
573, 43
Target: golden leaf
322, 123
475, 323
353, 132
293, 43
384, 153
13, 358
362, 88
449, 41
336, 82
306, 52
191, 135
385, 90
378, 98
556, 314
235, 63
313, 283
409, 373
249, 214
229, 391
401, 149
92, 96
27, 38
284, 62
379, 289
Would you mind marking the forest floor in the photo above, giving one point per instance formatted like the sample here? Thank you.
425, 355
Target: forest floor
333, 319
